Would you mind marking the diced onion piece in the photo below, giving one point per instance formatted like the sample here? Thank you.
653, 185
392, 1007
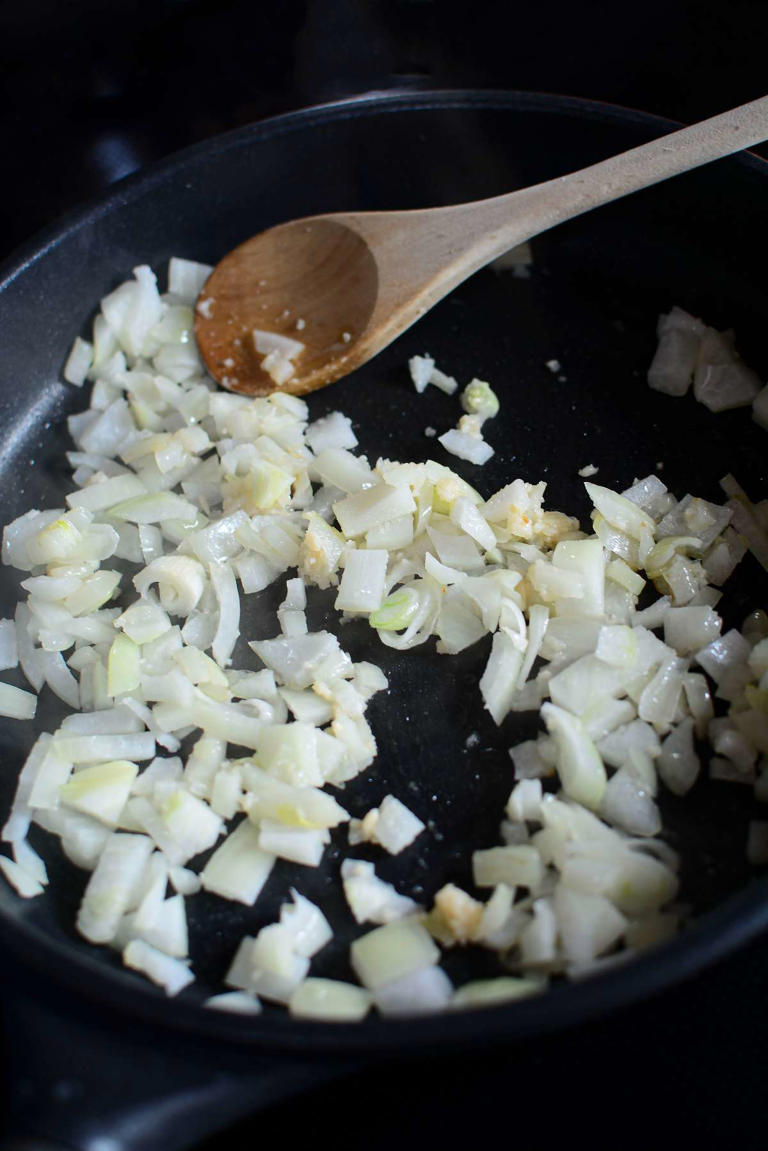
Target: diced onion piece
98, 496
17, 703
584, 558
238, 1002
466, 516
266, 342
228, 628
144, 621
330, 1000
295, 806
498, 683
674, 362
111, 886
503, 989
627, 804
173, 975
420, 368
101, 748
78, 362
678, 765
308, 926
123, 674
22, 881
101, 791
617, 645
721, 387
621, 512
186, 278
289, 751
361, 511
362, 584
419, 992
688, 629
299, 844
537, 940
186, 826
155, 508
391, 953
331, 431
9, 653
371, 899
396, 826
516, 866
338, 468
622, 574
724, 655
588, 925
239, 868
466, 447
296, 660
579, 765
268, 965
525, 801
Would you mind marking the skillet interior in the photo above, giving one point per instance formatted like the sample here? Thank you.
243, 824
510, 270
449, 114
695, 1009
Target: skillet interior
597, 286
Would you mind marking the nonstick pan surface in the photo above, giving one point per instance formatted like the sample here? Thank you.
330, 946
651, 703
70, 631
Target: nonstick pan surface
596, 288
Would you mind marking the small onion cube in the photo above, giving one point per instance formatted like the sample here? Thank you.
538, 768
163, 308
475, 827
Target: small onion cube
268, 965
421, 992
101, 791
396, 826
516, 866
371, 899
330, 1000
471, 448
239, 868
362, 583
111, 886
307, 924
391, 953
236, 1002
173, 975
298, 844
17, 703
23, 882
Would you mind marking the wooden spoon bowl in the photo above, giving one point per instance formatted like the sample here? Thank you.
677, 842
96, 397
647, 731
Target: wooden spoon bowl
263, 284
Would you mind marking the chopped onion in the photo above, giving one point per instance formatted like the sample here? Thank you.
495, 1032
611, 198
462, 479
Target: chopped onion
173, 975
212, 488
16, 703
111, 886
466, 447
370, 899
25, 884
419, 992
391, 953
330, 1000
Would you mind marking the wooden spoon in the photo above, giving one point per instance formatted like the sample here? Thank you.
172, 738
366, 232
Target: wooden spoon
345, 285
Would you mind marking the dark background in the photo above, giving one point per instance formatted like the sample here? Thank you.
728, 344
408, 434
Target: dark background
95, 89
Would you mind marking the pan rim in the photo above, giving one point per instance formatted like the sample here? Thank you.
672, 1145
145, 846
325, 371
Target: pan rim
712, 936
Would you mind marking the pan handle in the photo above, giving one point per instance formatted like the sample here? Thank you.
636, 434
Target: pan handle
71, 1082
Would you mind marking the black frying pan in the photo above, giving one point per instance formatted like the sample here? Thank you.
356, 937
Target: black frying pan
597, 286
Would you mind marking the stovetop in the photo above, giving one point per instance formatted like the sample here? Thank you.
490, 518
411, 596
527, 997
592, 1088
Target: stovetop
96, 89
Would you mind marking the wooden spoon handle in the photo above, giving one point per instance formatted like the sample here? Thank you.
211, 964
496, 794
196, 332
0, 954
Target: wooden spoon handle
517, 216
